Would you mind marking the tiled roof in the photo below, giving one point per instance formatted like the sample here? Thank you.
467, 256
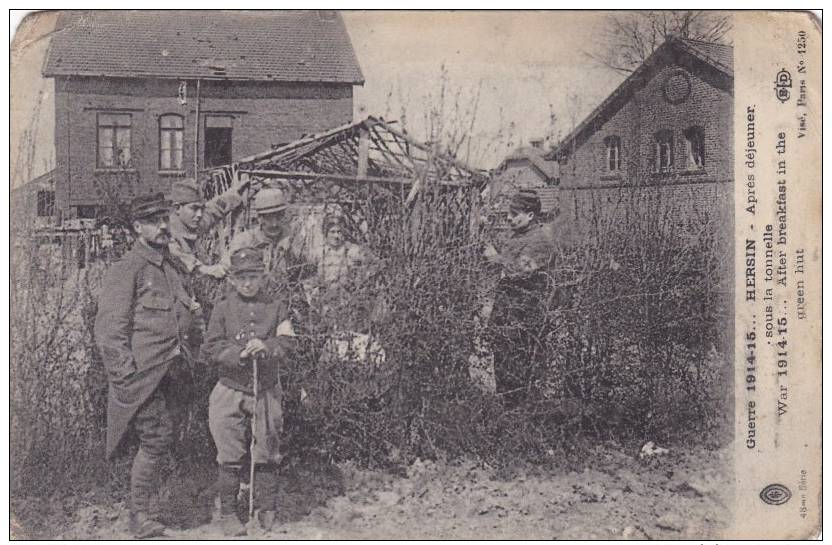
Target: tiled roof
718, 56
292, 46
536, 157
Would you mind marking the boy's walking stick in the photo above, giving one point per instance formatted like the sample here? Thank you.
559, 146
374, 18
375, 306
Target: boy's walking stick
253, 440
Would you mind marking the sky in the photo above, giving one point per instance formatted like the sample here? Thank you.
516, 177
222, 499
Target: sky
505, 75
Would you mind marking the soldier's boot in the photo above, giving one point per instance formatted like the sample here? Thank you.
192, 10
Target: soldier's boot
265, 495
225, 521
142, 491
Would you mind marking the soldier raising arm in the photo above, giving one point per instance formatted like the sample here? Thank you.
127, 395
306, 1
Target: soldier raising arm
192, 216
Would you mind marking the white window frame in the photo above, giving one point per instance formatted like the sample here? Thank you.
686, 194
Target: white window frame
171, 143
116, 130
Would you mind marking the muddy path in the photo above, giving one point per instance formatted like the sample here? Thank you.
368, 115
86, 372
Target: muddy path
610, 494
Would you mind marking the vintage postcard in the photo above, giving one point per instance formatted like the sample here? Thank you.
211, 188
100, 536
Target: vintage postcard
314, 274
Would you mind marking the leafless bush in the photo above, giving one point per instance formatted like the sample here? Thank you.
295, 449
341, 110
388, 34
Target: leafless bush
633, 327
633, 324
57, 391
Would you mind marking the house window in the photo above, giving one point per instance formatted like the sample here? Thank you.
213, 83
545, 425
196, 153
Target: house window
695, 147
613, 145
171, 142
664, 151
114, 140
217, 140
46, 203
87, 211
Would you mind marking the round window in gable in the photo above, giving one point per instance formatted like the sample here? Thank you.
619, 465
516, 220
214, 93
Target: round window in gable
676, 87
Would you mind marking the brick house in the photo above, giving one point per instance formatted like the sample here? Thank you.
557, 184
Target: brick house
528, 167
665, 133
33, 203
669, 122
525, 168
143, 98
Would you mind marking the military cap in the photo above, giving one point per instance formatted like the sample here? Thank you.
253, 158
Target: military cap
246, 260
526, 200
270, 199
185, 192
149, 205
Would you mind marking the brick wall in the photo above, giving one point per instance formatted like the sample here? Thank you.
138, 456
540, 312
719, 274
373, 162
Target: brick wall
709, 105
263, 114
686, 206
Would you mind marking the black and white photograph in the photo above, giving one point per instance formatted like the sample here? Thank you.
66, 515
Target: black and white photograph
383, 275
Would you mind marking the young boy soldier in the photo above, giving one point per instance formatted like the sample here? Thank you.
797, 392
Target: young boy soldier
192, 216
523, 260
142, 330
243, 328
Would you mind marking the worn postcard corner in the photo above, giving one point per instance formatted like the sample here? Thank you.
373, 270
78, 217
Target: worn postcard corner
778, 275
492, 275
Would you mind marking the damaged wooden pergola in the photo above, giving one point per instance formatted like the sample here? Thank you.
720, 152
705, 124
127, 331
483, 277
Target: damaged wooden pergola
366, 161
368, 152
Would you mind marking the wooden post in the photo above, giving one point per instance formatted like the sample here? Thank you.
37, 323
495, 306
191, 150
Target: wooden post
363, 150
196, 135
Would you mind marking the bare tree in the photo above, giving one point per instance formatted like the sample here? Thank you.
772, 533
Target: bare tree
631, 37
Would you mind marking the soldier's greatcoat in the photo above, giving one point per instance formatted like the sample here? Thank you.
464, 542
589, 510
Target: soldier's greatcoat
143, 324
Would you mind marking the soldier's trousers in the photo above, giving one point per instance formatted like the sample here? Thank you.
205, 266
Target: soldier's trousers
228, 413
519, 347
515, 367
153, 425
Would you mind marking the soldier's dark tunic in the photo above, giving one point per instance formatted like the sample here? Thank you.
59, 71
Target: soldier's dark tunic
142, 330
234, 322
518, 310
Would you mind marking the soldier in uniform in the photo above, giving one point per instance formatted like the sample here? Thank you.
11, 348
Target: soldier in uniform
523, 285
192, 217
284, 268
271, 233
142, 329
243, 327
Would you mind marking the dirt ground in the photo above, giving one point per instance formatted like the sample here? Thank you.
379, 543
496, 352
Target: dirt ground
610, 494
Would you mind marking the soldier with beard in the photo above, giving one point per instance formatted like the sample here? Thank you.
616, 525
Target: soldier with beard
144, 322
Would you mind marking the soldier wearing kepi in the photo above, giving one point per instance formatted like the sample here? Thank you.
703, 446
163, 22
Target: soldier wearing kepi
523, 284
243, 328
192, 217
142, 330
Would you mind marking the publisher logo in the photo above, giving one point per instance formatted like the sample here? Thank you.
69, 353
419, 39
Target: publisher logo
775, 494
782, 84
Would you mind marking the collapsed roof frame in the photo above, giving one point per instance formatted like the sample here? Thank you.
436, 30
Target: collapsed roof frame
348, 165
371, 151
